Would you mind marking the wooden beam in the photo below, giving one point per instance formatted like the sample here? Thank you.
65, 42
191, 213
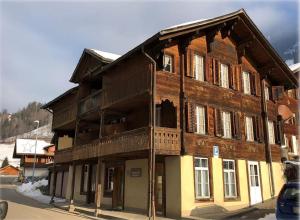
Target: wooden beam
98, 188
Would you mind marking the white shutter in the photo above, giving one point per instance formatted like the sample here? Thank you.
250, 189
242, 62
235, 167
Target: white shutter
199, 67
200, 119
246, 83
249, 129
295, 144
226, 124
224, 76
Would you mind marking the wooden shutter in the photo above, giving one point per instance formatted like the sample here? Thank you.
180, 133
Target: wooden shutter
209, 68
252, 84
259, 127
206, 119
216, 72
230, 76
235, 124
277, 92
255, 128
190, 117
277, 130
190, 63
234, 77
219, 132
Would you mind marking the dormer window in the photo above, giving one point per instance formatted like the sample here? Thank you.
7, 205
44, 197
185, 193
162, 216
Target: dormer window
168, 63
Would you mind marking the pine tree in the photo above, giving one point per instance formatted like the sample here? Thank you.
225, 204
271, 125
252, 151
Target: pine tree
5, 162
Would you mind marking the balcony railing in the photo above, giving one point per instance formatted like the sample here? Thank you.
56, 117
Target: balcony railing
90, 102
167, 141
64, 117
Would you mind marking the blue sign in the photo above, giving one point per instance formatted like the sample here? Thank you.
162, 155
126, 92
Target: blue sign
216, 151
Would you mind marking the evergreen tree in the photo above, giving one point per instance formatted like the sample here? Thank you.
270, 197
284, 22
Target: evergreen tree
5, 162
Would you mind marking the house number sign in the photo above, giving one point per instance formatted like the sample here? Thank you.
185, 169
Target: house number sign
136, 172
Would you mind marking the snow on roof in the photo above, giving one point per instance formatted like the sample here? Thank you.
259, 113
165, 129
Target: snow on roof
27, 146
295, 67
184, 24
106, 55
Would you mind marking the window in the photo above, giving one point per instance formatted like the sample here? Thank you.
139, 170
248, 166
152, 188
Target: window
229, 178
294, 144
200, 120
168, 63
109, 183
246, 83
271, 132
286, 141
198, 67
224, 76
226, 124
201, 178
267, 93
249, 129
84, 178
254, 179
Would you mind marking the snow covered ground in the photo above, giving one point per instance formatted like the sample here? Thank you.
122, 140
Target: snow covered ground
32, 191
269, 217
7, 150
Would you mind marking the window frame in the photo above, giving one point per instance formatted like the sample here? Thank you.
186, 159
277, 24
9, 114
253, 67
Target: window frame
201, 197
236, 196
247, 126
108, 191
222, 76
198, 125
171, 64
196, 54
244, 73
223, 113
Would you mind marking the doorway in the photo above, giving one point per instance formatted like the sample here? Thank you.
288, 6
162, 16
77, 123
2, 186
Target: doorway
254, 182
159, 188
118, 188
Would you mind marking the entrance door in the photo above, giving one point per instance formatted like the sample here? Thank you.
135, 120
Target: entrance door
254, 183
118, 188
159, 188
92, 183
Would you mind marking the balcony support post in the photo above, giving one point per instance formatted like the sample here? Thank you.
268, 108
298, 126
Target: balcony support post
71, 206
98, 188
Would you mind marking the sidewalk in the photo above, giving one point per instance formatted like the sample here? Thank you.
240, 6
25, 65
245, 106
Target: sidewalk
214, 212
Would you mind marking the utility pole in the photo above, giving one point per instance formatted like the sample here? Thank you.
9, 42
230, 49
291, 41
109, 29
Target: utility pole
36, 136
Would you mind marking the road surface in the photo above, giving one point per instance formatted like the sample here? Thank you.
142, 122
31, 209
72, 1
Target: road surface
24, 208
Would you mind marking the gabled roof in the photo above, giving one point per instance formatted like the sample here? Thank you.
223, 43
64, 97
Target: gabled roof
282, 73
68, 92
101, 56
295, 67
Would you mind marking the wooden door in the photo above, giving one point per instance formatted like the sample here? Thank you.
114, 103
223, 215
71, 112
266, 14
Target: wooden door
159, 188
118, 188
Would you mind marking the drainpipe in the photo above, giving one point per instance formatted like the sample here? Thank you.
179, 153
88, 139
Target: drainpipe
267, 144
152, 138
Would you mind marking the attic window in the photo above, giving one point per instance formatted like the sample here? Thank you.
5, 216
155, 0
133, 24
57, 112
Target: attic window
168, 63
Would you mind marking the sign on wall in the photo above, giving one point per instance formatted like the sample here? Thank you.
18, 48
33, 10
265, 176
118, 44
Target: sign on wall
136, 172
216, 151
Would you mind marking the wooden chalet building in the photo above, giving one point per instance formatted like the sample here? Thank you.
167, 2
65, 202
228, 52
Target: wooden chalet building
183, 121
288, 107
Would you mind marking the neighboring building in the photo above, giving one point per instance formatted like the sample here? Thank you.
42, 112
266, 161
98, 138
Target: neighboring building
288, 107
7, 150
25, 150
187, 116
9, 170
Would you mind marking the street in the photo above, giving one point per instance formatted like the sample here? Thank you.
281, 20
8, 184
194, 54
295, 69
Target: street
23, 208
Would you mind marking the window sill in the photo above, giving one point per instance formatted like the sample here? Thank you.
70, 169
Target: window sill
204, 200
233, 199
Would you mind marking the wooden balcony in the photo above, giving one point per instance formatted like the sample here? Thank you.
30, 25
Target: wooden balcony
90, 102
167, 141
63, 156
64, 116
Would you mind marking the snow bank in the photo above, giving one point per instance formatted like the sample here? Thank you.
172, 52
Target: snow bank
32, 190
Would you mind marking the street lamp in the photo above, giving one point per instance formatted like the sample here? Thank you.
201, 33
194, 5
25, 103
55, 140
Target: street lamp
33, 168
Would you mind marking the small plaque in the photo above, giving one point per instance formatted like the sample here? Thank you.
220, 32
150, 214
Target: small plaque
216, 151
136, 172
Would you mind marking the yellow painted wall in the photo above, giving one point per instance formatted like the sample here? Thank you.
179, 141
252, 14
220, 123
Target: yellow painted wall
173, 189
279, 179
265, 180
64, 142
77, 196
136, 188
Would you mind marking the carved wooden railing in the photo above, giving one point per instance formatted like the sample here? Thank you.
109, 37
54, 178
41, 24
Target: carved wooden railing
167, 140
135, 84
63, 155
65, 116
127, 141
90, 102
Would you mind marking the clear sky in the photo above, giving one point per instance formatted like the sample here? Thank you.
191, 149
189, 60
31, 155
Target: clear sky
41, 42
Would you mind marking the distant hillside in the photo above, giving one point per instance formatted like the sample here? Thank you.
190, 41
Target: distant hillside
23, 120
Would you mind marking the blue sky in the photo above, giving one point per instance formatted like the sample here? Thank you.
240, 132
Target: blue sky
41, 42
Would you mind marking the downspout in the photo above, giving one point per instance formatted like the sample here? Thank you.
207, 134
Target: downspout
152, 138
267, 144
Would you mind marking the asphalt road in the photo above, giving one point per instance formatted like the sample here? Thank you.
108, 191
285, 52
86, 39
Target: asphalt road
24, 208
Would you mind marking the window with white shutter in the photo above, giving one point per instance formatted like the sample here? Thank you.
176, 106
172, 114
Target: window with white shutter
200, 119
168, 63
198, 67
246, 83
271, 132
224, 76
249, 129
201, 178
229, 179
226, 124
267, 93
